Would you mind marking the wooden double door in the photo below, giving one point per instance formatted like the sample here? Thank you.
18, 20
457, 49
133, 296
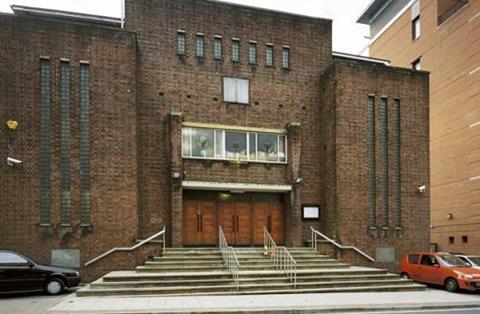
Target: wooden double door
242, 218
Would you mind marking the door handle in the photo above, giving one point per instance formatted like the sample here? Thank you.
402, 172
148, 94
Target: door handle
198, 223
233, 223
237, 223
269, 223
201, 223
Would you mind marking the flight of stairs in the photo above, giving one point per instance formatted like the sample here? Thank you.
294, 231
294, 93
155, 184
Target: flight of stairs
200, 271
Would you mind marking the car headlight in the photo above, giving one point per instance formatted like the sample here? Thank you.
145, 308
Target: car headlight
465, 276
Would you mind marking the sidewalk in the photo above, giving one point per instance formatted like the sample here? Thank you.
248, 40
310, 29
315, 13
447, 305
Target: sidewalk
286, 303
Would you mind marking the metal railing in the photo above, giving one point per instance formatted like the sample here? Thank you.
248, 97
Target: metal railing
139, 244
316, 233
229, 257
281, 257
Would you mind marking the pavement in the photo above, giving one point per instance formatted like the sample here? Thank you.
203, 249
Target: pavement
428, 301
431, 301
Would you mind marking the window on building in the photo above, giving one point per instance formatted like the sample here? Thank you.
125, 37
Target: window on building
451, 240
252, 53
233, 145
181, 43
269, 55
200, 46
236, 50
464, 239
217, 47
286, 58
447, 8
235, 90
416, 28
416, 65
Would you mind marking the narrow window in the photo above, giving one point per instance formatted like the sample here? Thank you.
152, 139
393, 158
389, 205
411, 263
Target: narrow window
235, 90
45, 131
236, 50
200, 46
252, 53
286, 58
85, 144
415, 10
416, 28
384, 158
396, 163
64, 143
269, 55
371, 162
464, 239
181, 45
451, 240
416, 65
217, 47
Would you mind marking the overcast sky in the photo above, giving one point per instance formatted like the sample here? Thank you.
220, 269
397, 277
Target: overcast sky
347, 35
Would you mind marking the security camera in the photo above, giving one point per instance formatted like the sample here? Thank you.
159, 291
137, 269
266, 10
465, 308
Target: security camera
298, 180
421, 189
13, 162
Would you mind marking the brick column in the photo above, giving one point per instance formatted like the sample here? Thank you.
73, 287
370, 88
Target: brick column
176, 175
294, 215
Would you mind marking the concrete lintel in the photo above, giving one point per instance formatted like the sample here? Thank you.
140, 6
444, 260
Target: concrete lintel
231, 186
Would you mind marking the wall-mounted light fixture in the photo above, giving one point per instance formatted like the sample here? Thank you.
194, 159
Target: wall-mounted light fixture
422, 189
449, 216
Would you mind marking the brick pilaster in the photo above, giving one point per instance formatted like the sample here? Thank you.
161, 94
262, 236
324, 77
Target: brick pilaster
176, 174
294, 215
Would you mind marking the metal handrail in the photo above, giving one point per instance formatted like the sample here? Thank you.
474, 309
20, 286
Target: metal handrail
281, 257
139, 244
343, 247
229, 257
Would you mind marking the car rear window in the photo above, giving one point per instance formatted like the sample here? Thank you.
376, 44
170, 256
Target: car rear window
7, 258
413, 258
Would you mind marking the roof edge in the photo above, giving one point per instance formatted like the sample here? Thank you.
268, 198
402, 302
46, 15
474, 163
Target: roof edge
99, 19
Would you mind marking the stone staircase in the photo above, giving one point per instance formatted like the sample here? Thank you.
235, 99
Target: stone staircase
200, 271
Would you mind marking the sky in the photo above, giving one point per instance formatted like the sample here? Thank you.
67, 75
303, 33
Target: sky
348, 36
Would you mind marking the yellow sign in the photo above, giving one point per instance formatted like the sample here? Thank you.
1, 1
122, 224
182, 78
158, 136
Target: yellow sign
12, 124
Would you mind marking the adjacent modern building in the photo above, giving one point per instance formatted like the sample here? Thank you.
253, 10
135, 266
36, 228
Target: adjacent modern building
442, 37
199, 114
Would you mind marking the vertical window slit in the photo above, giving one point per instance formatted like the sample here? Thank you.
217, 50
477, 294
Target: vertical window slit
64, 143
384, 159
85, 144
45, 129
371, 162
396, 163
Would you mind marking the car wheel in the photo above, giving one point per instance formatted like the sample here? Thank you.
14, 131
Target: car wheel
451, 285
404, 275
54, 286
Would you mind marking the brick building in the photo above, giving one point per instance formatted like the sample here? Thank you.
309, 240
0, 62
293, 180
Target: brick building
199, 114
441, 36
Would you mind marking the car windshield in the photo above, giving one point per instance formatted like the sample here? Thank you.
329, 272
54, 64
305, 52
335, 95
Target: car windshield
475, 260
452, 261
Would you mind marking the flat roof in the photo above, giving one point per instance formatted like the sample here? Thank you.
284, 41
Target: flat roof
99, 19
267, 10
362, 58
372, 11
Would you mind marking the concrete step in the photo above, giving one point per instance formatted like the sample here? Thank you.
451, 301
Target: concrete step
244, 280
255, 288
190, 263
178, 268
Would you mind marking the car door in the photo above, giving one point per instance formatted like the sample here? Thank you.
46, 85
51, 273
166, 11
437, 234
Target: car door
429, 269
18, 274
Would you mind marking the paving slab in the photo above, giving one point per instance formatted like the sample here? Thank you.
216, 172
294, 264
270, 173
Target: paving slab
278, 303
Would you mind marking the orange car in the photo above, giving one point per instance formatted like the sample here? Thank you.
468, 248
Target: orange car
440, 269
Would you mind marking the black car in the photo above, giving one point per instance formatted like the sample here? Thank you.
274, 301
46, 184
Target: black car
19, 273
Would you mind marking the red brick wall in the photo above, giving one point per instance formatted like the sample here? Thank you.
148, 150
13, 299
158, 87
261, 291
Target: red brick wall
113, 191
354, 81
277, 97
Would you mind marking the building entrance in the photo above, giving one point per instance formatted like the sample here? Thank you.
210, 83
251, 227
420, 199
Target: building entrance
242, 217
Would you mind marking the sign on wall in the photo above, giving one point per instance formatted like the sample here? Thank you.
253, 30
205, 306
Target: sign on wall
66, 258
310, 212
385, 255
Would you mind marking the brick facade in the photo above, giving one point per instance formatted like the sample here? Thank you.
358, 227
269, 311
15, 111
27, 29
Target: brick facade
142, 92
